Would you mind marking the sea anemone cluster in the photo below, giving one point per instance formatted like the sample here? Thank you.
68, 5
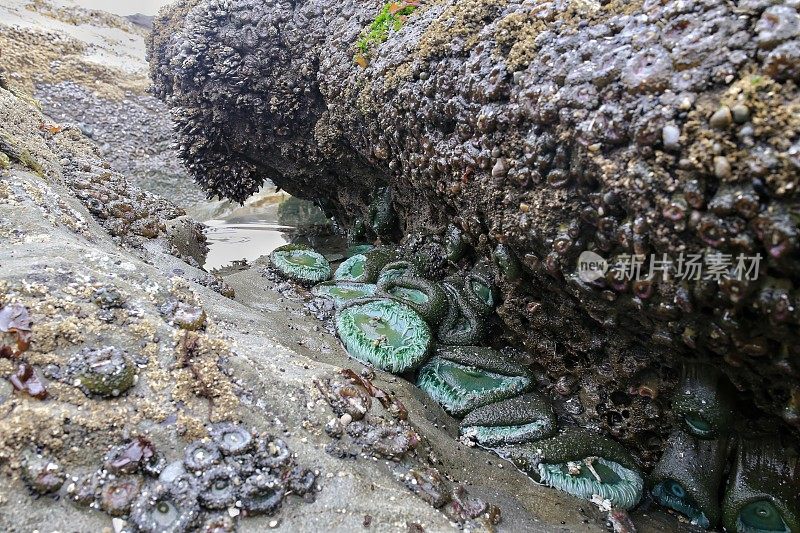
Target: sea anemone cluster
524, 135
233, 469
762, 491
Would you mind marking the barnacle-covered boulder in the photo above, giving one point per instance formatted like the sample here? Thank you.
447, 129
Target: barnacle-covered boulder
665, 130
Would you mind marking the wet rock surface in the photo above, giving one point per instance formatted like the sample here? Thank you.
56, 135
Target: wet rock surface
539, 131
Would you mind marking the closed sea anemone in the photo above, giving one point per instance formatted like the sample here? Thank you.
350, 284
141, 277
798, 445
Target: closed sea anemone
688, 477
463, 378
262, 494
425, 297
525, 418
105, 372
763, 492
385, 333
704, 400
218, 487
161, 509
462, 324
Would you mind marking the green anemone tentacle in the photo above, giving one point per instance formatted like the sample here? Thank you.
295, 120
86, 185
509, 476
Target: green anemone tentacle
463, 378
688, 477
426, 297
462, 325
385, 333
525, 418
763, 491
704, 399
581, 463
343, 291
365, 267
300, 263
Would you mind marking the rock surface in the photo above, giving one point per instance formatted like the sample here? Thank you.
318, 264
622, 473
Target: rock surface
540, 130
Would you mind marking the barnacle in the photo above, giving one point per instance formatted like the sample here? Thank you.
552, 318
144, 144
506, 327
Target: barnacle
525, 418
763, 492
386, 333
262, 494
300, 263
382, 217
162, 509
200, 455
462, 324
479, 291
688, 476
218, 488
704, 400
395, 270
343, 291
218, 523
425, 297
364, 268
463, 378
105, 372
581, 463
232, 439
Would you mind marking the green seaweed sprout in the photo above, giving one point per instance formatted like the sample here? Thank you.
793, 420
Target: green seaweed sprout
391, 17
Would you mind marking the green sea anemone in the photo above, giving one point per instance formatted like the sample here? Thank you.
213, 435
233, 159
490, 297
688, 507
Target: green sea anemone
425, 297
507, 263
395, 270
454, 244
364, 268
462, 324
358, 249
763, 492
525, 418
704, 399
386, 333
343, 291
581, 463
382, 217
688, 477
463, 378
300, 263
479, 292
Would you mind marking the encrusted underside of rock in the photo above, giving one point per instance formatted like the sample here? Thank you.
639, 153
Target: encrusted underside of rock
551, 127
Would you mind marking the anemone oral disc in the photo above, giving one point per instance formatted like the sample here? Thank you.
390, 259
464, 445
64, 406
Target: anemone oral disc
761, 517
388, 334
673, 495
